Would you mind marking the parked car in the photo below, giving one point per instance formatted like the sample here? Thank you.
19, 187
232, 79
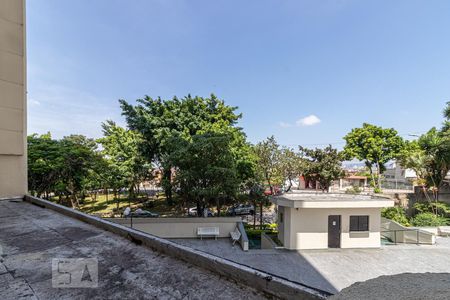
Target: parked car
242, 209
140, 213
193, 212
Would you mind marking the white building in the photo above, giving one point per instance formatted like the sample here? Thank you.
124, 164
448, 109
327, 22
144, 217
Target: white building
396, 174
322, 220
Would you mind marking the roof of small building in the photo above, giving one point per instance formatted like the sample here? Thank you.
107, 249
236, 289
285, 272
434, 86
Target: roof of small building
299, 199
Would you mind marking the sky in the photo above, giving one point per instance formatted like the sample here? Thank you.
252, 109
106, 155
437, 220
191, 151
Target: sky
305, 71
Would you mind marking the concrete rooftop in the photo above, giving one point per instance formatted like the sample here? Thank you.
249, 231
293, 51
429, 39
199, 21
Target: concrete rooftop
300, 199
30, 237
335, 269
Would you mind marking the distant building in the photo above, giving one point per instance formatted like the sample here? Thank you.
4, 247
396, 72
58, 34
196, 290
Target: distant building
395, 175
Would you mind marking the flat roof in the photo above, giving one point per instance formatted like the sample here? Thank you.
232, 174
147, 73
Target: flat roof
298, 199
31, 236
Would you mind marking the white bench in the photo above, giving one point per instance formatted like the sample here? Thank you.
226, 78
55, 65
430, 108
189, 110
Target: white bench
235, 235
208, 231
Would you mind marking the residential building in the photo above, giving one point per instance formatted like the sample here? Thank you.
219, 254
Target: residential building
13, 154
396, 177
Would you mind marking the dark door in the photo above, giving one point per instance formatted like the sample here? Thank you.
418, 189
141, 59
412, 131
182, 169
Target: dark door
334, 231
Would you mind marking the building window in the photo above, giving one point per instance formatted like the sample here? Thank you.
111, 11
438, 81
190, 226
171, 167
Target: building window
281, 217
359, 223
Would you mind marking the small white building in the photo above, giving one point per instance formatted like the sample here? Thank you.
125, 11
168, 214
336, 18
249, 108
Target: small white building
395, 173
322, 220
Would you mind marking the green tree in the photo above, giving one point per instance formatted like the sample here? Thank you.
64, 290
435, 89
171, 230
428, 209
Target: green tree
205, 170
121, 149
43, 169
77, 157
323, 165
268, 158
435, 163
290, 166
160, 121
446, 113
64, 167
375, 146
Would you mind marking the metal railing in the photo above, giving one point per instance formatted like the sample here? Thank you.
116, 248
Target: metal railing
407, 236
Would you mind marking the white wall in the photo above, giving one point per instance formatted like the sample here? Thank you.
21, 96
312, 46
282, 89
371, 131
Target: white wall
307, 228
180, 227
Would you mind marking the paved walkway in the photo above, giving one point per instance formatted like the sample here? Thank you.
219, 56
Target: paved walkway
30, 237
334, 269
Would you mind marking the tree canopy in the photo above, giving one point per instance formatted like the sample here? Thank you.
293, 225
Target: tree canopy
121, 151
160, 121
206, 170
323, 165
375, 146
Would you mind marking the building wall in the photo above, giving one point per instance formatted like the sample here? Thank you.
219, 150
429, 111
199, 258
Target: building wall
13, 159
307, 228
180, 227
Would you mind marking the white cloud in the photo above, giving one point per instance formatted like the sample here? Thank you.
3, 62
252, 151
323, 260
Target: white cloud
285, 125
33, 102
308, 121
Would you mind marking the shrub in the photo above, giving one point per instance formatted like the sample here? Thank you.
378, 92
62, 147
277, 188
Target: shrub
442, 209
353, 190
377, 190
396, 214
429, 219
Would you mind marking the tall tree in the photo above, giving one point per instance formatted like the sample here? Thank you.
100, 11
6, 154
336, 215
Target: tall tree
78, 157
436, 149
43, 169
121, 148
446, 113
268, 155
205, 170
324, 165
159, 121
291, 165
375, 146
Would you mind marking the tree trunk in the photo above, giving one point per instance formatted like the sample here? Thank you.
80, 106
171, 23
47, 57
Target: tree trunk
290, 185
73, 200
378, 176
269, 183
261, 215
168, 185
254, 214
218, 207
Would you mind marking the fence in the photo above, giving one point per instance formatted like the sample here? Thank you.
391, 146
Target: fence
408, 236
392, 185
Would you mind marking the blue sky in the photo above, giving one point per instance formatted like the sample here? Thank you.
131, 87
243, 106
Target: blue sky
304, 71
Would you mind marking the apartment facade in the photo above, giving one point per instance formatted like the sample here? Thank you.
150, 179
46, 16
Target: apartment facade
13, 116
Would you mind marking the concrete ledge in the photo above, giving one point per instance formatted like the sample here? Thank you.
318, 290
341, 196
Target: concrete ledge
244, 238
267, 283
